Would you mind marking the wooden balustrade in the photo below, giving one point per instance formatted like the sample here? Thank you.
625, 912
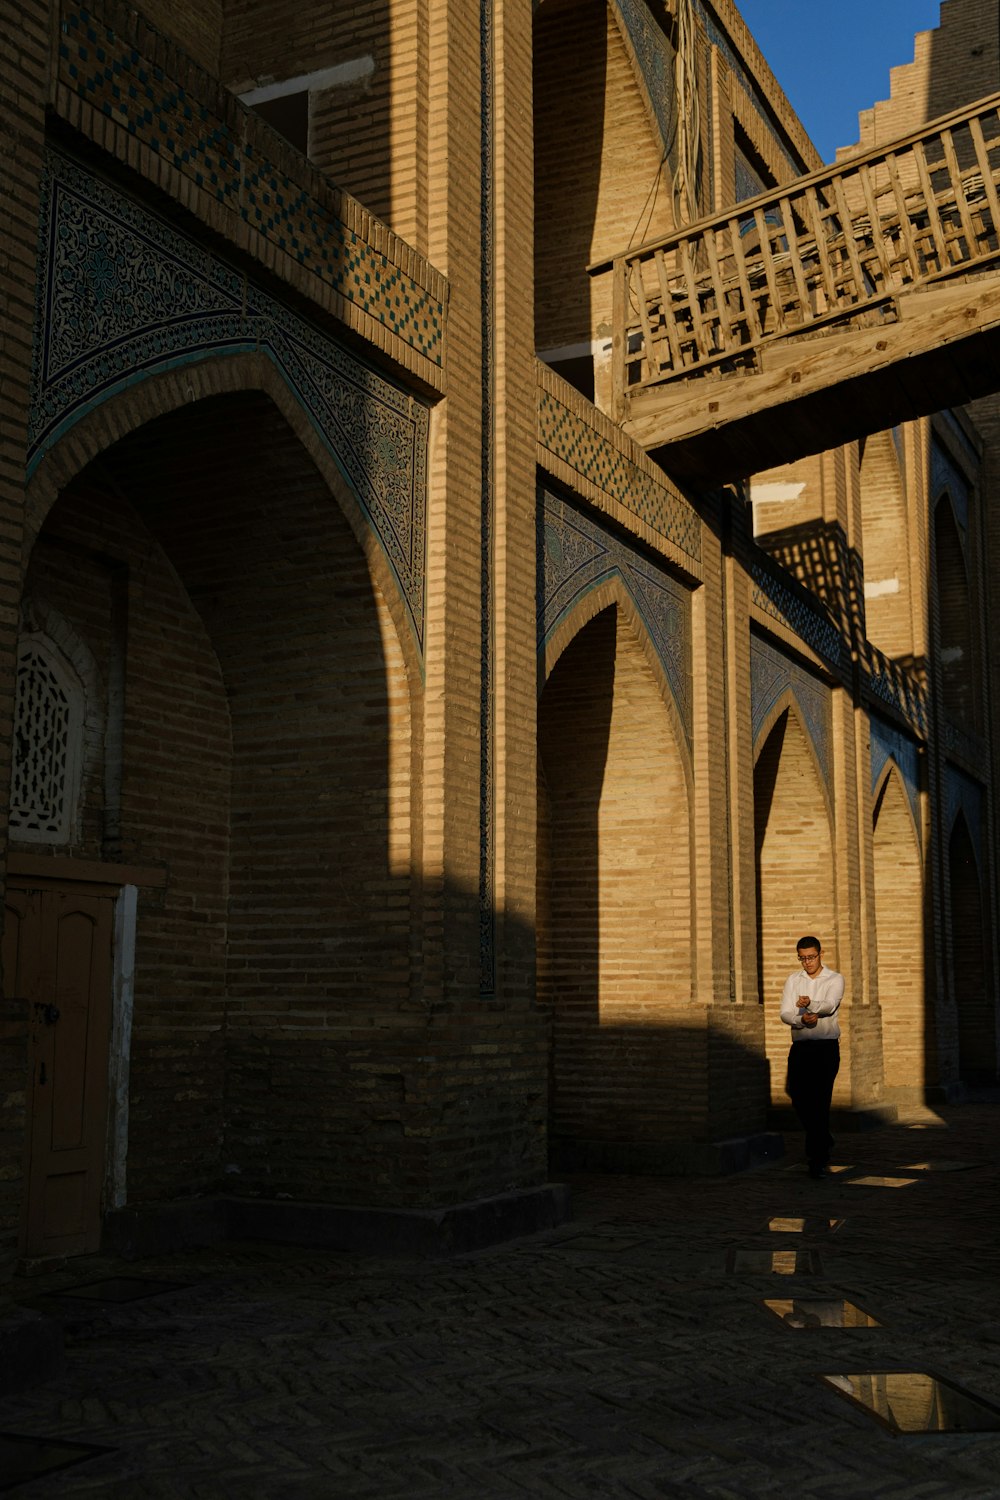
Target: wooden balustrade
831, 250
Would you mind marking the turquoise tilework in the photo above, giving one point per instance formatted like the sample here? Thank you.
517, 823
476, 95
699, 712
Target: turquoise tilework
111, 74
889, 743
771, 675
122, 295
776, 599
571, 439
576, 554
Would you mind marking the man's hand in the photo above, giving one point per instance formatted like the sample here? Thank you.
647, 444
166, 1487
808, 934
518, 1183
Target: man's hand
808, 1019
803, 1002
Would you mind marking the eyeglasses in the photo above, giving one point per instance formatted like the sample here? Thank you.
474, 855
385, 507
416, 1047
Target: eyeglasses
808, 958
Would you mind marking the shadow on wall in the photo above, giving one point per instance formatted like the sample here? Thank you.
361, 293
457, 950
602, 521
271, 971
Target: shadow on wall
281, 1042
639, 1071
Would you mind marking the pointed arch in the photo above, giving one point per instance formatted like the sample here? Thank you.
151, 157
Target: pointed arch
793, 845
899, 936
615, 907
170, 391
787, 703
612, 592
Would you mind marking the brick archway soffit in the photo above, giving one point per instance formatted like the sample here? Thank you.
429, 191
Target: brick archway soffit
777, 683
890, 749
576, 556
123, 295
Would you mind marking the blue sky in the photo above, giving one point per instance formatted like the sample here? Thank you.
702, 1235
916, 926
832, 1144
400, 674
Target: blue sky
832, 57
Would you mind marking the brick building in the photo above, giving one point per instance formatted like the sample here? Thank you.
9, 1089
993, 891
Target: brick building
417, 790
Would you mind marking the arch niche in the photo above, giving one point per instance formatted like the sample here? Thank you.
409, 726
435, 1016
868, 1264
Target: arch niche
899, 930
794, 857
615, 889
264, 749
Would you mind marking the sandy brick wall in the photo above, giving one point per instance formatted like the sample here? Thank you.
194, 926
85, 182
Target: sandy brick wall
598, 182
174, 812
899, 882
615, 960
884, 548
795, 873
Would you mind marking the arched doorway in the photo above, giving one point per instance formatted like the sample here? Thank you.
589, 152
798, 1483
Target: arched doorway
615, 930
258, 705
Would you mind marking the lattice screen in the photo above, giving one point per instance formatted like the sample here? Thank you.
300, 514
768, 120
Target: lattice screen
48, 723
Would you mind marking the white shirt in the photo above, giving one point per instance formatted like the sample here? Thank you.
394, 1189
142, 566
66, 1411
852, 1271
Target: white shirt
825, 994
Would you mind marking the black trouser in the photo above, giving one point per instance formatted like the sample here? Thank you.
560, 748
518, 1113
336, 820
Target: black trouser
812, 1067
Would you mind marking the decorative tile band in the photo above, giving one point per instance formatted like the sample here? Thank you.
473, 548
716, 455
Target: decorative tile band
122, 295
584, 450
576, 554
771, 675
945, 476
774, 598
653, 58
888, 743
101, 61
890, 683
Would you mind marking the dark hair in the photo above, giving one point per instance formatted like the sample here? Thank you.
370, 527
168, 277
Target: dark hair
809, 942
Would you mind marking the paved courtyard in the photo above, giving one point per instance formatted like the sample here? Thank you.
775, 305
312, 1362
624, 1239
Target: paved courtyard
627, 1353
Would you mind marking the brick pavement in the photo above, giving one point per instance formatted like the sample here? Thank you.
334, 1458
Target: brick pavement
615, 1356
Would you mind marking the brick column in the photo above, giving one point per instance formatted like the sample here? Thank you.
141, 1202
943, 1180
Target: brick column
24, 69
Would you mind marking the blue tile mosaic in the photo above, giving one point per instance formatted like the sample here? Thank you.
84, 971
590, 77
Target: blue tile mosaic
571, 439
773, 674
889, 743
576, 554
946, 476
963, 794
122, 295
100, 59
782, 603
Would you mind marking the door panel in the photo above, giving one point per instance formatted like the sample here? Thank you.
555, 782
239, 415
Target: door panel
58, 955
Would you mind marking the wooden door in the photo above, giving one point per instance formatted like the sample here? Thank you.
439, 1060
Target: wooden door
58, 956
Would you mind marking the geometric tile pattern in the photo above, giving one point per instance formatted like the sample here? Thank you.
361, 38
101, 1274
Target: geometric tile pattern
946, 477
584, 450
653, 59
796, 612
890, 682
771, 675
888, 743
576, 554
122, 295
103, 65
962, 793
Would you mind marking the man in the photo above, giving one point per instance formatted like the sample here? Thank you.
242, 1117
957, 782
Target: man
809, 1005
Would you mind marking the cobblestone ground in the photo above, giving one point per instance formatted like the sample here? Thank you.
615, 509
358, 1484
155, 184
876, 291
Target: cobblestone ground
625, 1354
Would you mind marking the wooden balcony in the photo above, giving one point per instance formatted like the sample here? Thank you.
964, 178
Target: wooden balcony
839, 304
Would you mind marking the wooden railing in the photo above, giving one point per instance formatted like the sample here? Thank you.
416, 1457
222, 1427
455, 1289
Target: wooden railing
834, 249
